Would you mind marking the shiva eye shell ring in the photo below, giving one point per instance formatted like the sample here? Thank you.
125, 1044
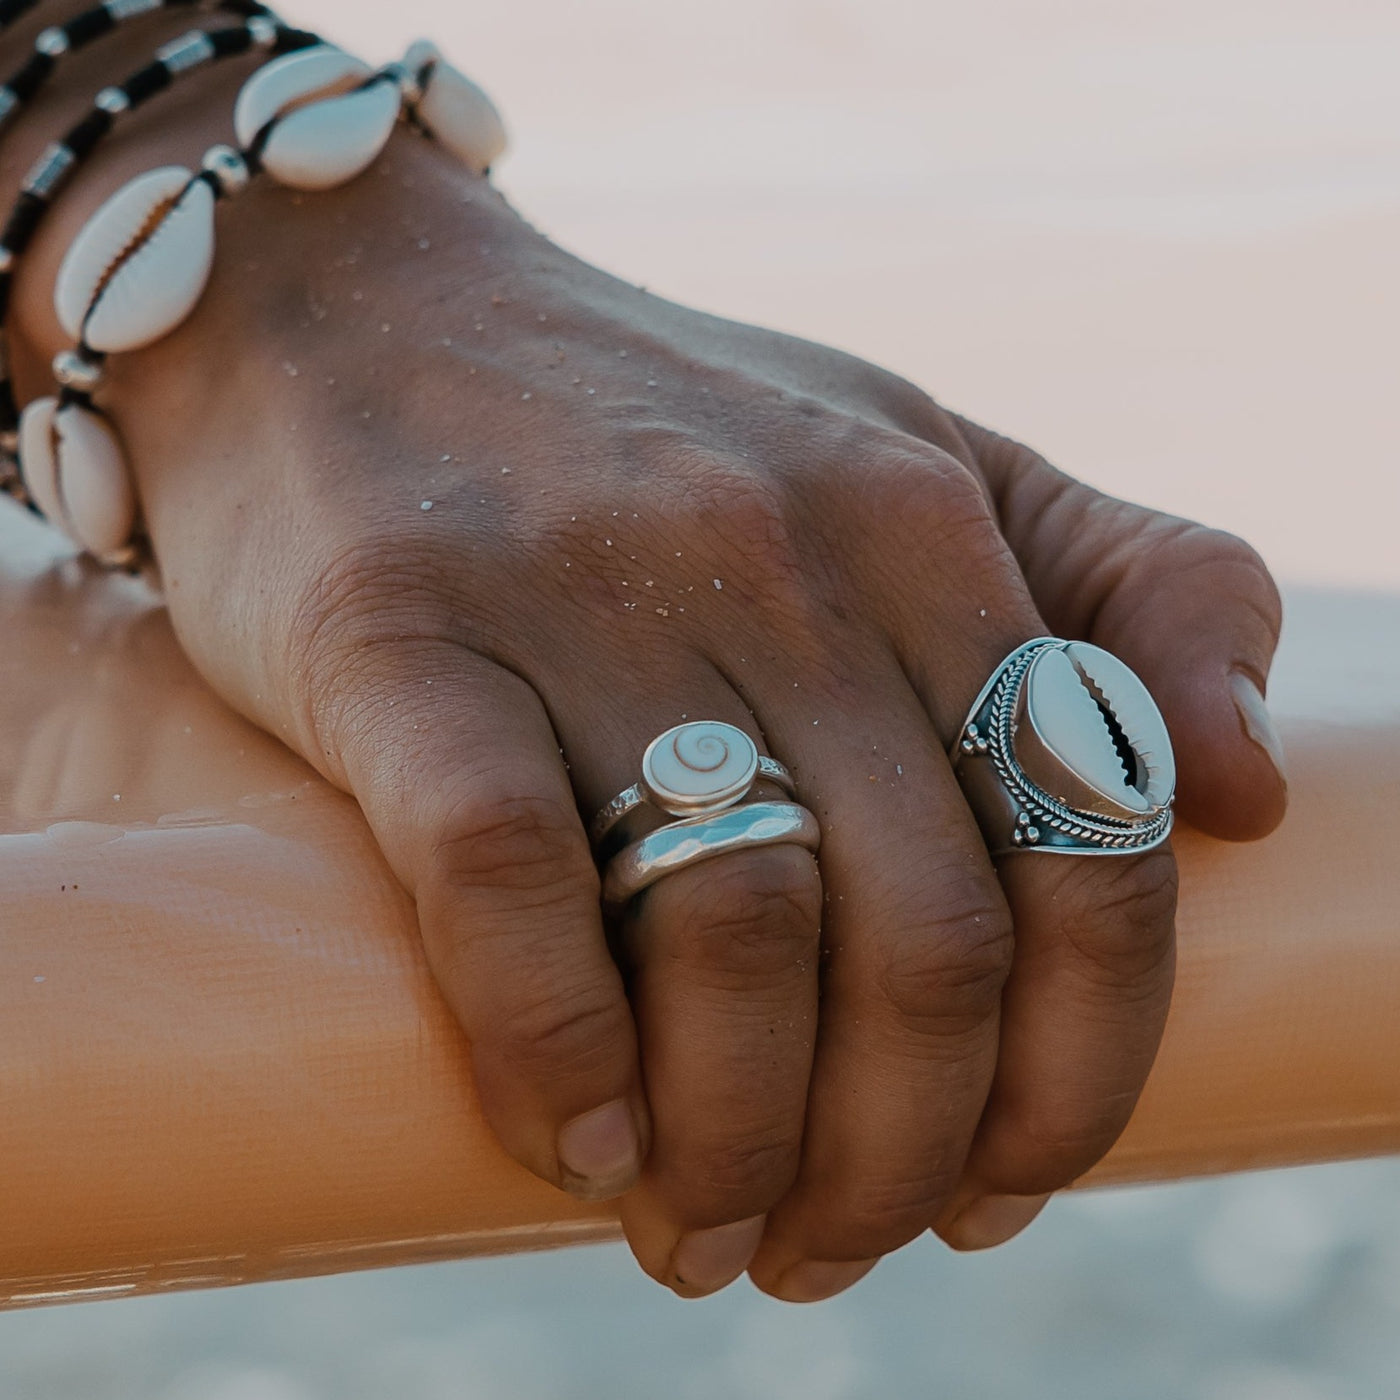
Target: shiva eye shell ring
693, 770
1065, 751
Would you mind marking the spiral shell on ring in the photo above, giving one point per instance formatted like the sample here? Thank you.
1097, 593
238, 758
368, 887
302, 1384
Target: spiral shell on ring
454, 110
1089, 733
75, 470
315, 119
140, 264
704, 766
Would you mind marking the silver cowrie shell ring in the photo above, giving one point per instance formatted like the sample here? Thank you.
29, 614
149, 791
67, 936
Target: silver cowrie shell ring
1065, 751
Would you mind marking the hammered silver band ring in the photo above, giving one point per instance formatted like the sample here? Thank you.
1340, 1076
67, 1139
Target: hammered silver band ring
687, 841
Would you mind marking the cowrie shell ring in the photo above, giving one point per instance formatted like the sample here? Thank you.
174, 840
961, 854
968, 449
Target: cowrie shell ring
1065, 751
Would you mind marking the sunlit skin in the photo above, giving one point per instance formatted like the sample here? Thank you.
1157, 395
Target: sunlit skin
466, 522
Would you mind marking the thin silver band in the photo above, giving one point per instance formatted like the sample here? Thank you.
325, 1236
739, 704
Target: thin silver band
693, 839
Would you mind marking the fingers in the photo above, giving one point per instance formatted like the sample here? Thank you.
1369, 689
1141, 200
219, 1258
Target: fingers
1193, 611
725, 990
722, 959
918, 943
1083, 1016
1085, 1003
457, 768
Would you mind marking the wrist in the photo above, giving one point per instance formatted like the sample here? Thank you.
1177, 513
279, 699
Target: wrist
175, 127
312, 155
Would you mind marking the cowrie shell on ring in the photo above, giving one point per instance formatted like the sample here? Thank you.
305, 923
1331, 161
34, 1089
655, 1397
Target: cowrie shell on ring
698, 768
1088, 732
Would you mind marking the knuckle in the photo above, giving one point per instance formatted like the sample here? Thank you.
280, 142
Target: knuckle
515, 843
1214, 565
1047, 1150
561, 1034
750, 917
347, 616
750, 521
1121, 921
741, 1176
944, 980
925, 486
889, 1214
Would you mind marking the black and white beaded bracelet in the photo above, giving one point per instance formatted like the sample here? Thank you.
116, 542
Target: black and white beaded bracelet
312, 119
60, 161
54, 43
12, 11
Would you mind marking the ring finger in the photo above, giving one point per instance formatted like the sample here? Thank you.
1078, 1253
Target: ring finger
722, 964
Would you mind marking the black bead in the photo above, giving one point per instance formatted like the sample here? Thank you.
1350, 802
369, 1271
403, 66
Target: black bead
89, 26
146, 82
82, 139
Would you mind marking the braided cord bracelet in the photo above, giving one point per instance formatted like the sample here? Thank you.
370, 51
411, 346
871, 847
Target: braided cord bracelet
312, 119
63, 158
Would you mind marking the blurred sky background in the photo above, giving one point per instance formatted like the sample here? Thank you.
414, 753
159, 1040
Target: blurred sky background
1158, 241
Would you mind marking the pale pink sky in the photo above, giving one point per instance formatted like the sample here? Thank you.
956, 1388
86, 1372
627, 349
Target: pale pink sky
1158, 241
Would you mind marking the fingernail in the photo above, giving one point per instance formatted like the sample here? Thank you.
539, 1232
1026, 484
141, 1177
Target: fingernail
707, 1260
600, 1153
1256, 720
813, 1282
992, 1220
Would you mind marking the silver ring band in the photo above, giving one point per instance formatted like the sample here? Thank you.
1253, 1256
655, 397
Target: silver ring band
693, 839
1064, 751
625, 803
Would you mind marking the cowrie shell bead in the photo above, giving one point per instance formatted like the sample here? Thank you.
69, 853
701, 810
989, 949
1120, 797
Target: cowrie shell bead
75, 469
140, 264
700, 767
1064, 742
455, 110
326, 128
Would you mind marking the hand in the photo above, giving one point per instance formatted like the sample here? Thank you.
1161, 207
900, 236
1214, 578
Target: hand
436, 503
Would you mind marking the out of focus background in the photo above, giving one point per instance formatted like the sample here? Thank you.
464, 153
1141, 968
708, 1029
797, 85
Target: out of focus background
1160, 242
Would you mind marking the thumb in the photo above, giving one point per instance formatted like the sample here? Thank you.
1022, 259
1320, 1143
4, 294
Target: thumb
1193, 611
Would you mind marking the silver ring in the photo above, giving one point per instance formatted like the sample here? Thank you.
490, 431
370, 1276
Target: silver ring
693, 770
693, 839
1065, 751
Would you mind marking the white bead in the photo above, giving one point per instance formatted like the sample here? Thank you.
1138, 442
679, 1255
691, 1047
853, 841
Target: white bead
141, 263
455, 110
325, 127
76, 471
75, 371
263, 30
1070, 737
52, 43
228, 168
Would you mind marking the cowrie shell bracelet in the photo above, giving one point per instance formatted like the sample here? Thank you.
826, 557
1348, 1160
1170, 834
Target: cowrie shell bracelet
46, 180
312, 119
